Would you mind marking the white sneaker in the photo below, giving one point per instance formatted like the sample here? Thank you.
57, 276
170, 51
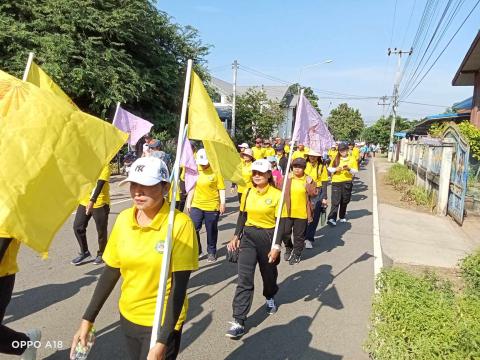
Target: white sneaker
343, 220
31, 352
308, 244
332, 222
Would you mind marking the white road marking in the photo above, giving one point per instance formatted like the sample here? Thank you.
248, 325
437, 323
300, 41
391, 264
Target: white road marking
115, 203
377, 247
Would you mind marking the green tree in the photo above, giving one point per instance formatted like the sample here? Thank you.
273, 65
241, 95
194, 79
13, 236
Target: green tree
309, 94
379, 132
104, 51
256, 116
345, 123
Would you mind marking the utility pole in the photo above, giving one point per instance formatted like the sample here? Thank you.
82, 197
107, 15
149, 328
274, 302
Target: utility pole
383, 104
234, 67
395, 95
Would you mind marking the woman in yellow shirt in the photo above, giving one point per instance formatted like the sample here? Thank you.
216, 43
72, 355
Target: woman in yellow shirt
247, 159
206, 202
343, 168
317, 170
253, 237
135, 252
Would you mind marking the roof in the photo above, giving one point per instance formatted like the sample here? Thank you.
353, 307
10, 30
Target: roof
423, 126
465, 75
273, 92
466, 104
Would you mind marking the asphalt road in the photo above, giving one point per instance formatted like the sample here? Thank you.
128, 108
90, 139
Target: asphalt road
324, 301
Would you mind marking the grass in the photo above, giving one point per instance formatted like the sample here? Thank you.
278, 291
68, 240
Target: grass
422, 318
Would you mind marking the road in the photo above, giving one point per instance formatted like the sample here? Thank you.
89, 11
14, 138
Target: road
324, 301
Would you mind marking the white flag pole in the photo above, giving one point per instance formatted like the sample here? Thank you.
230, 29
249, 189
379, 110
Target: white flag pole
289, 161
29, 64
162, 285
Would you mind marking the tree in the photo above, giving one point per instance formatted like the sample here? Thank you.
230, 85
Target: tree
101, 52
256, 116
345, 123
379, 132
309, 94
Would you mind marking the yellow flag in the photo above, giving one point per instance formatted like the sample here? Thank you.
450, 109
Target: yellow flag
38, 77
204, 124
51, 155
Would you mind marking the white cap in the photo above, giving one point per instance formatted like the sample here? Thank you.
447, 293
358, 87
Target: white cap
313, 153
201, 157
244, 146
147, 171
261, 165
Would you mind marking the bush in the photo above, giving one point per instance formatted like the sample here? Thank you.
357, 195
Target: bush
400, 176
418, 195
421, 318
470, 267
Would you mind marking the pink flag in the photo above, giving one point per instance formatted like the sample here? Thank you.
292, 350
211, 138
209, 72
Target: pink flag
310, 130
188, 161
135, 126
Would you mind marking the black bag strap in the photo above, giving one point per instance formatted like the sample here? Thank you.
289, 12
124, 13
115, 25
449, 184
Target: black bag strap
246, 198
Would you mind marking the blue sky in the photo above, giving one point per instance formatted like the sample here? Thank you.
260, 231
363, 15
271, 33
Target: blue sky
280, 38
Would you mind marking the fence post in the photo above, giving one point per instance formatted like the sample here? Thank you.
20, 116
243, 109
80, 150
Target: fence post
428, 184
444, 180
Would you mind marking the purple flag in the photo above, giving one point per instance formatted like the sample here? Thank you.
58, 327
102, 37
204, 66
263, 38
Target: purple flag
188, 161
310, 130
135, 126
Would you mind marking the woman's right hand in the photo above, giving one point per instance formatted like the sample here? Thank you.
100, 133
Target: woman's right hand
234, 244
81, 336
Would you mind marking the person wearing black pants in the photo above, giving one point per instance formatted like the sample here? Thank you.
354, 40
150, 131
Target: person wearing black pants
253, 239
9, 337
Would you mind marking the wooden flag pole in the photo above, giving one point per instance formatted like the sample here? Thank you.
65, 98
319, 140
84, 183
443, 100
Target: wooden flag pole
29, 64
164, 273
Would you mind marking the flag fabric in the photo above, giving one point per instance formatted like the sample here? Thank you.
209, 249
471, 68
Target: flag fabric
187, 160
204, 124
52, 154
310, 130
38, 77
135, 126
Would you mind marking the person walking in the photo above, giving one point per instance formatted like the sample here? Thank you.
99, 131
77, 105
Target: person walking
206, 202
8, 337
243, 146
96, 205
268, 150
300, 152
253, 239
135, 253
343, 168
317, 169
276, 172
247, 160
258, 150
282, 160
296, 212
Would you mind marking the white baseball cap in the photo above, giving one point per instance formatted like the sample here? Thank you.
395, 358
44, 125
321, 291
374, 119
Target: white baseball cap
261, 165
244, 146
147, 171
201, 157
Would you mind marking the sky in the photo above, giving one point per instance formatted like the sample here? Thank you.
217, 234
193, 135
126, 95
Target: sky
290, 41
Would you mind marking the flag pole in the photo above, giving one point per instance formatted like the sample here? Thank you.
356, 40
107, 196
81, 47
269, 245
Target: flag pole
162, 284
175, 163
29, 64
118, 153
285, 180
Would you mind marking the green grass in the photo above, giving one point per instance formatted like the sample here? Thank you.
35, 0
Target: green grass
418, 195
470, 267
400, 177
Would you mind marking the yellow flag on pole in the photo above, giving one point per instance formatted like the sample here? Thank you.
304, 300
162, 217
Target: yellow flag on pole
52, 154
40, 78
204, 124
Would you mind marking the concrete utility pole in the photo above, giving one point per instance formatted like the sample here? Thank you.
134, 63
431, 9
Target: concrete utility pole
398, 77
383, 104
234, 67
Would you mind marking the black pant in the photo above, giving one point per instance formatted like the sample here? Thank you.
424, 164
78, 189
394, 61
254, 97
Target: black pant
298, 227
9, 337
341, 194
239, 199
180, 205
312, 227
254, 247
137, 338
100, 215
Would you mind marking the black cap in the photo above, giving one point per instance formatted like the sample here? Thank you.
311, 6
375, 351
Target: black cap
342, 146
299, 162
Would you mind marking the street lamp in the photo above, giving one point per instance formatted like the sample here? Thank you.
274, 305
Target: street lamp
312, 65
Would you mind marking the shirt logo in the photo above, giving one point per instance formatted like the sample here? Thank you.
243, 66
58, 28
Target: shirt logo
268, 201
160, 246
139, 168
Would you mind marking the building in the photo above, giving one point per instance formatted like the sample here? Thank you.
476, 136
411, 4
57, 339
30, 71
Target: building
282, 94
468, 74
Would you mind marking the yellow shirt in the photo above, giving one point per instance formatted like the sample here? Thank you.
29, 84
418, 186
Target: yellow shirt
261, 207
356, 153
300, 154
332, 153
8, 265
298, 199
136, 251
344, 175
104, 197
206, 196
316, 172
247, 177
286, 148
268, 151
258, 152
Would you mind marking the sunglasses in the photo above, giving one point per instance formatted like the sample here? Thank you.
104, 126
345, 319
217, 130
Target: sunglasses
257, 173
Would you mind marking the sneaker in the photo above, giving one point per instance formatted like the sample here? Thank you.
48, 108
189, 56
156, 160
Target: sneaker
288, 253
308, 244
270, 306
332, 222
200, 255
81, 258
31, 352
343, 220
98, 260
211, 258
236, 330
294, 259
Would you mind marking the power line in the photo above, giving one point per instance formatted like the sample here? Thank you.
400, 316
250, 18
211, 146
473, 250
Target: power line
417, 103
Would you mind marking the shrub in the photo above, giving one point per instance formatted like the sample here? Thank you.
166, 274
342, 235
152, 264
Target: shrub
400, 176
470, 267
418, 195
